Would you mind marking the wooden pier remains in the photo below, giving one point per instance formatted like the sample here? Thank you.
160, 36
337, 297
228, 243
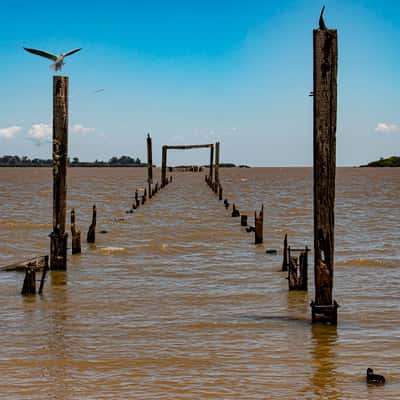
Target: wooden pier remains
76, 235
285, 262
165, 149
91, 235
58, 238
216, 172
149, 165
259, 226
298, 269
324, 308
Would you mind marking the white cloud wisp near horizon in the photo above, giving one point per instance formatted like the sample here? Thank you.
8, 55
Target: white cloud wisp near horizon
383, 127
9, 132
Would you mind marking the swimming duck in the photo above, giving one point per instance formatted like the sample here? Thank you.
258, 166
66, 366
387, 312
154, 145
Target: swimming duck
374, 378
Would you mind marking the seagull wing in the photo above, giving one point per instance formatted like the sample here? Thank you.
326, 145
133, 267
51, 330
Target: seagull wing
42, 53
71, 52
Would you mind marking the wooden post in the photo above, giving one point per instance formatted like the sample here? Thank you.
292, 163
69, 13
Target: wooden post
243, 220
29, 286
58, 238
216, 173
137, 198
164, 166
210, 175
258, 226
324, 308
149, 160
235, 211
303, 269
91, 235
76, 235
43, 278
220, 191
285, 254
292, 273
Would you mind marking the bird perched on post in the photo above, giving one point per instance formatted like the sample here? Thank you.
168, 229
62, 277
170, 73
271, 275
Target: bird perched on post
322, 25
58, 60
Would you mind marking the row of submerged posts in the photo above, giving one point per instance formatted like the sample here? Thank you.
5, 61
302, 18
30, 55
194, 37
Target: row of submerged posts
295, 260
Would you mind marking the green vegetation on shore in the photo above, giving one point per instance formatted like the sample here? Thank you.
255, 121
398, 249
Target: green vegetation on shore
123, 161
384, 162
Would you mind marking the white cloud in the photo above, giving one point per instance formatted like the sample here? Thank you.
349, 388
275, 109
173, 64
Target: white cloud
77, 128
40, 133
383, 127
10, 132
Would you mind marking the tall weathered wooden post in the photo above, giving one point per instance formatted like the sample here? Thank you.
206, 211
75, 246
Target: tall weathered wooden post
149, 164
58, 238
216, 173
164, 166
210, 175
324, 308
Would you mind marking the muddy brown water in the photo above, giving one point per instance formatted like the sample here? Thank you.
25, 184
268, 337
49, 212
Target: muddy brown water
176, 302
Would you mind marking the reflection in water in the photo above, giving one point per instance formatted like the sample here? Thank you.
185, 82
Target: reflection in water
57, 348
323, 380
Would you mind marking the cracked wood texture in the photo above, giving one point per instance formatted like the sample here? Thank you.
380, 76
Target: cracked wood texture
325, 105
58, 246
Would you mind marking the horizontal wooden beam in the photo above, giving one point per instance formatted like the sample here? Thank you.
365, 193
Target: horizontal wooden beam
191, 146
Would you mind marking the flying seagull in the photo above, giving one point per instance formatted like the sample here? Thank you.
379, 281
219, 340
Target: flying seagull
59, 60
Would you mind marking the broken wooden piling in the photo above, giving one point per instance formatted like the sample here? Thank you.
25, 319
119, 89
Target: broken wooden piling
91, 235
216, 172
76, 235
164, 166
235, 211
211, 165
220, 192
258, 226
285, 263
243, 220
29, 286
137, 201
324, 308
58, 238
298, 269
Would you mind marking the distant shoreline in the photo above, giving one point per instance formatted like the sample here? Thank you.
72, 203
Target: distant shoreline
390, 162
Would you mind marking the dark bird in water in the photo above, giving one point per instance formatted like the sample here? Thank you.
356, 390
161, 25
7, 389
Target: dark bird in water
58, 60
374, 378
322, 25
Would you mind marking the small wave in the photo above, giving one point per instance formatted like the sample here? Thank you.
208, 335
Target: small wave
112, 250
368, 262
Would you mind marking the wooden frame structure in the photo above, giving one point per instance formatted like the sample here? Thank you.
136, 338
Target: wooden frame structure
165, 149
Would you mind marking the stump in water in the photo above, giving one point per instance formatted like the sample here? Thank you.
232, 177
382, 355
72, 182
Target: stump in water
235, 211
91, 235
285, 255
258, 226
220, 191
29, 286
292, 277
226, 203
43, 278
76, 235
298, 269
243, 220
137, 199
170, 179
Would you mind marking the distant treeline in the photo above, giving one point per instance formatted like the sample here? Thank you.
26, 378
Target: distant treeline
384, 162
123, 161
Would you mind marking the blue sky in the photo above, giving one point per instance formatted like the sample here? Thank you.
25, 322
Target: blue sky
198, 72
